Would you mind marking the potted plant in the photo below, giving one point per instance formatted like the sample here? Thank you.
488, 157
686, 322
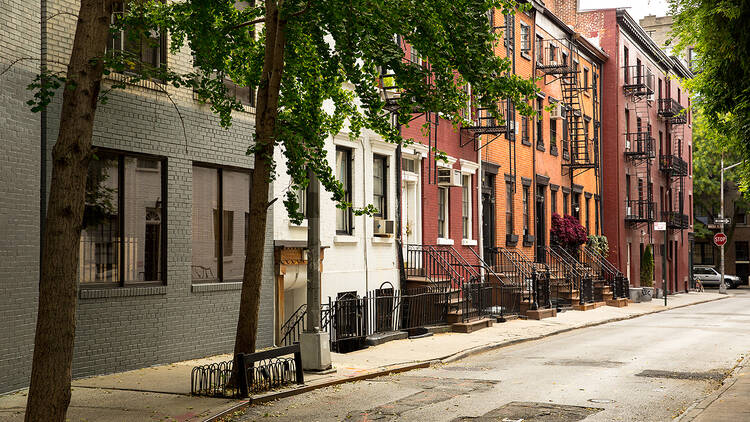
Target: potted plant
647, 274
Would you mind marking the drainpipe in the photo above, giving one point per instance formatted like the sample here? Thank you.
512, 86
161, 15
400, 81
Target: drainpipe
533, 142
364, 228
399, 211
43, 135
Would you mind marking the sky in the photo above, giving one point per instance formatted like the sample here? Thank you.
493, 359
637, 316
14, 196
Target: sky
637, 8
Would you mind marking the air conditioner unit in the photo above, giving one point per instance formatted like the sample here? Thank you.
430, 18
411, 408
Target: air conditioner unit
383, 227
449, 177
557, 112
627, 145
627, 211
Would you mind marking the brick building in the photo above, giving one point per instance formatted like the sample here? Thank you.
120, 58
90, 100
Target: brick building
550, 163
646, 145
152, 287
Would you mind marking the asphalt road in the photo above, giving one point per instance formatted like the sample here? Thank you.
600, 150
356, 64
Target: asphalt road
645, 369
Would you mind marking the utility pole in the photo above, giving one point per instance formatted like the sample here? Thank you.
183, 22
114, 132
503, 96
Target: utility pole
722, 220
314, 343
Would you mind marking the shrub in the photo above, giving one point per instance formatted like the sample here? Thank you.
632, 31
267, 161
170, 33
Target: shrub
647, 267
599, 244
567, 232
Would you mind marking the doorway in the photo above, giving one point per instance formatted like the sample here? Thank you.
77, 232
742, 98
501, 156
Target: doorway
488, 217
540, 229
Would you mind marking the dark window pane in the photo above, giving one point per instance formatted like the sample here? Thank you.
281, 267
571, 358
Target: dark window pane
100, 249
205, 224
142, 214
236, 186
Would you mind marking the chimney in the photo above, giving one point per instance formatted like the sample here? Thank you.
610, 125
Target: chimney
566, 10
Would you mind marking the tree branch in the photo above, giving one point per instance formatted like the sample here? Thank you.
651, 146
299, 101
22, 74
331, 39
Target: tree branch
252, 22
295, 14
58, 14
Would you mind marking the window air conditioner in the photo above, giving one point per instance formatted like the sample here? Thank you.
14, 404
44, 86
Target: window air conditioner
627, 145
383, 227
627, 211
557, 112
449, 177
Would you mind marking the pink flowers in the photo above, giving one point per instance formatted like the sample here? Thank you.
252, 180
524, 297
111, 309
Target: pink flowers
567, 231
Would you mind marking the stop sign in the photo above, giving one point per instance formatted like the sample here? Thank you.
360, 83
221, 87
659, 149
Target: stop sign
720, 239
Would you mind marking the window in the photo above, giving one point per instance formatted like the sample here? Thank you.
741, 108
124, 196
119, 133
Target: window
627, 121
344, 174
594, 84
539, 49
703, 254
508, 207
585, 79
123, 238
302, 201
552, 133
588, 215
553, 201
442, 213
415, 56
380, 185
596, 215
526, 211
220, 198
466, 205
243, 94
146, 50
539, 122
565, 203
525, 39
741, 251
409, 164
524, 129
740, 215
625, 58
627, 187
576, 206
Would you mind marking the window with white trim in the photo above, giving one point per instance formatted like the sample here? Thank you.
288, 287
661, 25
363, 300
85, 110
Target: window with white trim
443, 213
466, 205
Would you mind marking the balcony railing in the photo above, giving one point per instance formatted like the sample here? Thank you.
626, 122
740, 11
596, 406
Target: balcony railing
673, 164
639, 210
639, 145
553, 57
672, 110
676, 219
638, 81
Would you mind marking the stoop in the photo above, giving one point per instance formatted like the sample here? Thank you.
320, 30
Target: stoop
471, 326
584, 307
541, 313
620, 302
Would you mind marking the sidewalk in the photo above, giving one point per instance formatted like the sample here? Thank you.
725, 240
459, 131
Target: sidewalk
729, 403
162, 393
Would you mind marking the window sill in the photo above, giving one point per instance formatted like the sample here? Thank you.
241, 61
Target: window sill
444, 241
468, 242
302, 225
345, 239
553, 151
94, 293
528, 240
216, 287
526, 142
511, 240
382, 240
124, 78
540, 147
526, 55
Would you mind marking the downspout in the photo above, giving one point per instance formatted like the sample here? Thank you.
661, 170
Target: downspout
43, 134
533, 142
364, 229
399, 211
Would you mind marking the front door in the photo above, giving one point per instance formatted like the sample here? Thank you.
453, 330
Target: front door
541, 227
488, 216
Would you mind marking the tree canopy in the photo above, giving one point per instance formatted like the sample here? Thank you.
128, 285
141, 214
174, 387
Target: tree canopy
335, 54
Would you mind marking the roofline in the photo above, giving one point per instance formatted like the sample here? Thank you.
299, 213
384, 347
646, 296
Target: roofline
629, 25
591, 48
680, 68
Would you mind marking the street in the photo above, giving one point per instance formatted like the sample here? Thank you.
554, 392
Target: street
645, 369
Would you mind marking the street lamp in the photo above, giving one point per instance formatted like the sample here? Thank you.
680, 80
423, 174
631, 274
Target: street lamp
723, 286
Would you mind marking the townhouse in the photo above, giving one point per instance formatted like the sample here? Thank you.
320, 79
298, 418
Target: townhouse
162, 248
646, 148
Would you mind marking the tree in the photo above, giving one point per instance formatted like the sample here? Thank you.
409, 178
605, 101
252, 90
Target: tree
647, 267
717, 32
49, 391
303, 54
708, 143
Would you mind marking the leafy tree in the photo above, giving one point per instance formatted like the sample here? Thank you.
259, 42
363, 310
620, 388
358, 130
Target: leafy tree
302, 55
708, 145
600, 244
717, 32
647, 267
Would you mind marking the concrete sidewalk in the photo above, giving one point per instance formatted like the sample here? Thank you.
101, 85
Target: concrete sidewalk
162, 393
729, 403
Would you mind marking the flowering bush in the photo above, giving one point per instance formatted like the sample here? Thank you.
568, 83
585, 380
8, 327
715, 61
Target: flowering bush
567, 232
599, 244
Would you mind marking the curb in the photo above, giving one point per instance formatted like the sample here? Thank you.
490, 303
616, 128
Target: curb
697, 408
398, 368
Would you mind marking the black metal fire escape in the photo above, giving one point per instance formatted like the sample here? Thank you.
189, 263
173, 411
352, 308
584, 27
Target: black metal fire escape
673, 165
639, 144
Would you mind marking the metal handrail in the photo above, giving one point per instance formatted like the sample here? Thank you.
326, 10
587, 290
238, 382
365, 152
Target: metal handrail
486, 266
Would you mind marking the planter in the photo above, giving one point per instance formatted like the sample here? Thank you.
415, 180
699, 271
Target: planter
647, 293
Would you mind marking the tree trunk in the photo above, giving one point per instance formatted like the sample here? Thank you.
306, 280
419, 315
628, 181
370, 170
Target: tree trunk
266, 116
49, 392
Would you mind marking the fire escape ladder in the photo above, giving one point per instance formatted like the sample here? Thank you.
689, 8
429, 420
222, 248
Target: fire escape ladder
578, 143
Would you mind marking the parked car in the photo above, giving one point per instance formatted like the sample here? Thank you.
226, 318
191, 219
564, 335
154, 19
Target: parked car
708, 276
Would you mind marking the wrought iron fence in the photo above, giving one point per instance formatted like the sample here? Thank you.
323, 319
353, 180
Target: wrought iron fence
489, 300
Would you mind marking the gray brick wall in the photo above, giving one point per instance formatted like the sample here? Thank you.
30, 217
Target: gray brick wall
121, 328
19, 191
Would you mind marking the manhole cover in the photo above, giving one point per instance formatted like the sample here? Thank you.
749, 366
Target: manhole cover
601, 401
698, 376
534, 412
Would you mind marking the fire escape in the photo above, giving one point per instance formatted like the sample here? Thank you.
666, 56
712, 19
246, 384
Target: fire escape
673, 165
557, 58
639, 144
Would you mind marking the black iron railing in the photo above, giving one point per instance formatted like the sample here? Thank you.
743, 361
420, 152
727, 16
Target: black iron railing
292, 328
676, 219
638, 81
462, 269
615, 278
480, 300
639, 210
422, 261
639, 145
519, 270
673, 164
584, 273
670, 109
553, 57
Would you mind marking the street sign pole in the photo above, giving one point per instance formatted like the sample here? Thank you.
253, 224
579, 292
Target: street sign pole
722, 286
